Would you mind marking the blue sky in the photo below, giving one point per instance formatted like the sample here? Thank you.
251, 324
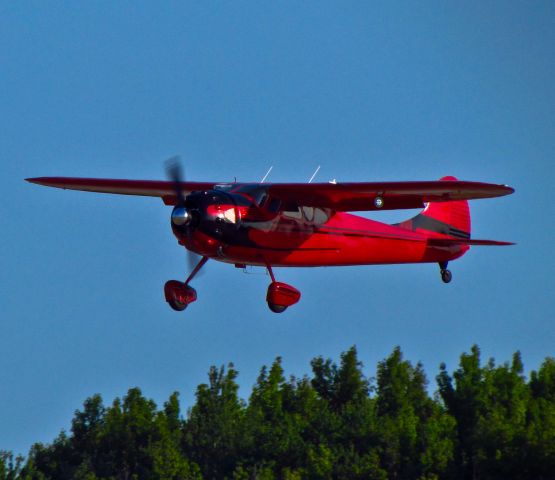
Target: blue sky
369, 91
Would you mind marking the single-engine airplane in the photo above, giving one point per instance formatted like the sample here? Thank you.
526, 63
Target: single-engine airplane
305, 224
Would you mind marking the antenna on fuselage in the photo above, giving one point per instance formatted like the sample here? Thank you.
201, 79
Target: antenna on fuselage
267, 173
314, 174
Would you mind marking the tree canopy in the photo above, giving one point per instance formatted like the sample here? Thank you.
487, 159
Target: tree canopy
486, 421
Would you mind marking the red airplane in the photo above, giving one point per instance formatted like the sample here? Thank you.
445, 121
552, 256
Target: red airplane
305, 224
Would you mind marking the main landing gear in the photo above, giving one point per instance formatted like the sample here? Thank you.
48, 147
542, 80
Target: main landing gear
280, 295
446, 275
178, 294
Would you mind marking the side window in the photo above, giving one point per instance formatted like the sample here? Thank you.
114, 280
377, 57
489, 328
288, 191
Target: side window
274, 204
308, 213
292, 211
296, 213
260, 197
320, 216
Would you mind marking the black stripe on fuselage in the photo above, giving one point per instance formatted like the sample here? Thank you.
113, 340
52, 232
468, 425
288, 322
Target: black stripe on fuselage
348, 232
434, 225
338, 232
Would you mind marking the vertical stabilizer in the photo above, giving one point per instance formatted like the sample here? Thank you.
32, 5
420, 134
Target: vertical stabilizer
446, 218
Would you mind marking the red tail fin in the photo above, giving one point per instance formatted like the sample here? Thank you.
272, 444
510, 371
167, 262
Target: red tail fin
447, 218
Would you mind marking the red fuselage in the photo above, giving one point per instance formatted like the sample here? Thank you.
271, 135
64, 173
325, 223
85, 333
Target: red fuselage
236, 230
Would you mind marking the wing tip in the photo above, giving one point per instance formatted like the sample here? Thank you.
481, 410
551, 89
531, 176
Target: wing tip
45, 181
37, 180
507, 189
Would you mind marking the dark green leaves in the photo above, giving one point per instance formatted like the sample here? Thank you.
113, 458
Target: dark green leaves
486, 421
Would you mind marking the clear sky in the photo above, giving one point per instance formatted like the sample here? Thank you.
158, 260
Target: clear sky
369, 91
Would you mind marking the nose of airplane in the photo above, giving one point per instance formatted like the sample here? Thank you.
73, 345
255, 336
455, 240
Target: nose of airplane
180, 216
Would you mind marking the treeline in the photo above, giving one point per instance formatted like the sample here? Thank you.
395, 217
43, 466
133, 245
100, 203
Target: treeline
485, 422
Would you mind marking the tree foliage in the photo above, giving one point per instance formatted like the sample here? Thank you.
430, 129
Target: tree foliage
486, 421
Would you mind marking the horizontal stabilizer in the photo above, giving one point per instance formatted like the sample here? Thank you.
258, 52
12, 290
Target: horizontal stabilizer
447, 242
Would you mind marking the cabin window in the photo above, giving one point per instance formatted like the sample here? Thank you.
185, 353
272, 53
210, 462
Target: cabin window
258, 194
320, 216
292, 210
274, 204
308, 213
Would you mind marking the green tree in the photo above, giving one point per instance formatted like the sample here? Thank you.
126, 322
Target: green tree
51, 461
347, 421
502, 422
271, 428
130, 439
215, 423
490, 406
340, 385
540, 427
416, 438
168, 461
86, 427
464, 401
127, 436
485, 422
10, 467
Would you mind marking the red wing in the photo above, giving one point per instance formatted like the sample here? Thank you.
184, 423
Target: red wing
350, 197
343, 197
148, 188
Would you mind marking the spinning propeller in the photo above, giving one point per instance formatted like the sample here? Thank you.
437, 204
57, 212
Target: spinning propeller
181, 216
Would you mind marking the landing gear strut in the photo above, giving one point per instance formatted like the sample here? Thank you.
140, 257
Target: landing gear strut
178, 294
446, 275
280, 295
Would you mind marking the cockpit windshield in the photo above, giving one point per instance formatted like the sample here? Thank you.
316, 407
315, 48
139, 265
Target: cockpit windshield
225, 187
255, 192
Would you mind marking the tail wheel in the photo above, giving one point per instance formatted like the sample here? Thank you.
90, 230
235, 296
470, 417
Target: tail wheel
446, 276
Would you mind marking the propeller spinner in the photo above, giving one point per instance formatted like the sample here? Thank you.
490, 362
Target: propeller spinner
180, 216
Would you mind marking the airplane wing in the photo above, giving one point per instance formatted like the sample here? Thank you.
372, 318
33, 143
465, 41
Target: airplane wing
343, 197
148, 188
351, 197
